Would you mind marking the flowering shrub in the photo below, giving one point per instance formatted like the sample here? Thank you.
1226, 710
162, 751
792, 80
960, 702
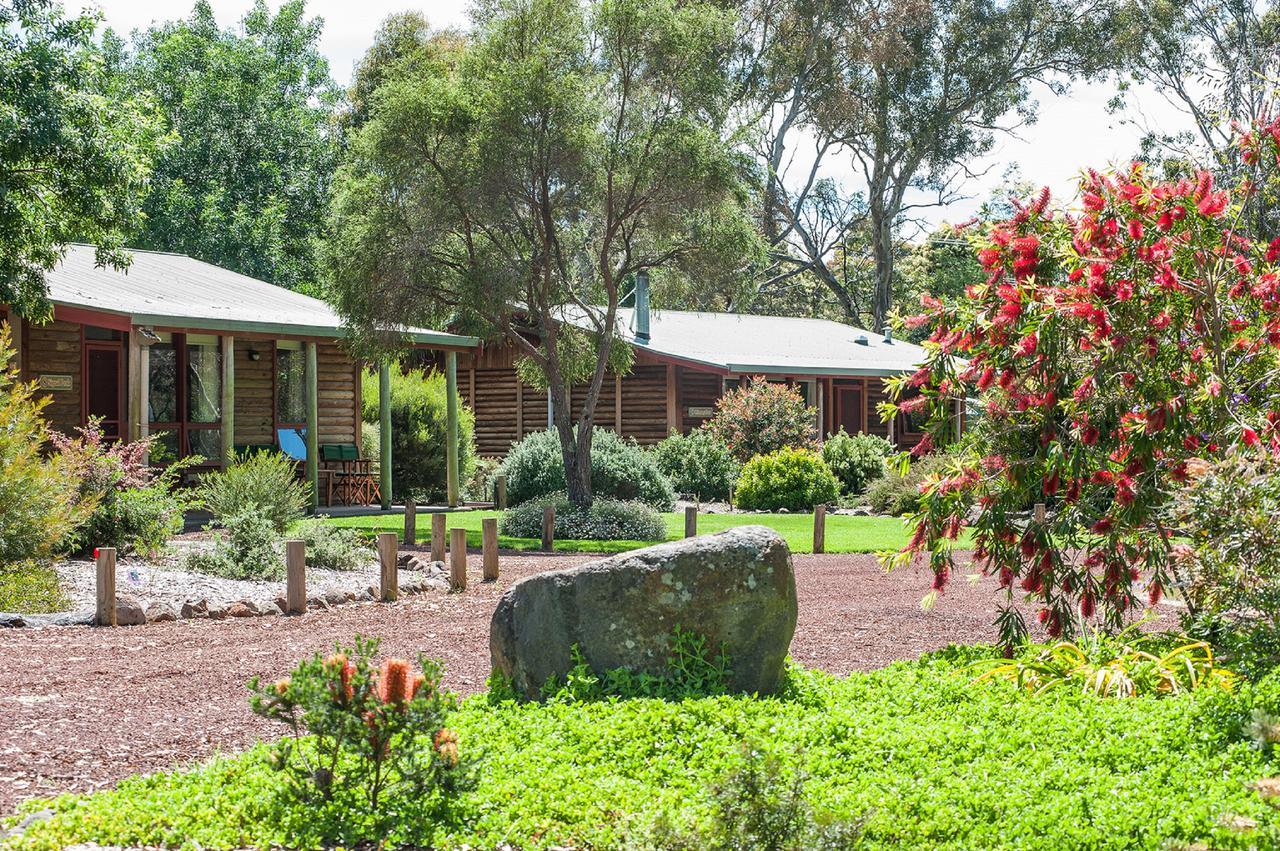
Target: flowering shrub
605, 520
698, 464
857, 461
620, 469
369, 747
1111, 346
134, 507
762, 418
794, 479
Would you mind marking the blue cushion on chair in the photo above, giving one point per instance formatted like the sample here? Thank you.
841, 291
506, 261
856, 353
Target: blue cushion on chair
293, 442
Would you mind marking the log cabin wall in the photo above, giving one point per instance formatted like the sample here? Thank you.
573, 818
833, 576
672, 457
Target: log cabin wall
255, 393
339, 393
699, 392
56, 349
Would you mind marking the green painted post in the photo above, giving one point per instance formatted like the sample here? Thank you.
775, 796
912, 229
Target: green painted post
384, 431
228, 400
313, 422
451, 425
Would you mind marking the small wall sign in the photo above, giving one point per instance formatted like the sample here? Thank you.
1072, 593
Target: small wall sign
55, 382
701, 412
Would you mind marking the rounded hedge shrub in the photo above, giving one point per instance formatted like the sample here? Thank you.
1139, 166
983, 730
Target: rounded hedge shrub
419, 417
897, 494
605, 520
794, 479
620, 469
698, 464
857, 461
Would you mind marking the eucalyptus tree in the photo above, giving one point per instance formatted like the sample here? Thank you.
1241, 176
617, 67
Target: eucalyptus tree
516, 191
74, 161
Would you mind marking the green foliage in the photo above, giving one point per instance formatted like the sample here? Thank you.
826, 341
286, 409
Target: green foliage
246, 548
577, 351
265, 484
74, 158
857, 461
244, 182
698, 464
620, 469
368, 748
762, 418
794, 479
419, 415
692, 670
898, 492
332, 547
481, 486
31, 587
40, 497
914, 751
605, 520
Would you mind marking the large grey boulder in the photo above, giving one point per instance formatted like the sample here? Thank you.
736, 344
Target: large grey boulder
736, 588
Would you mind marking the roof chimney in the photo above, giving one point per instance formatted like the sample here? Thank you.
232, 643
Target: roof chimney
640, 317
888, 334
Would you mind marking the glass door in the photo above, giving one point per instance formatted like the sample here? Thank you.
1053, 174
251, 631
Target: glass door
104, 387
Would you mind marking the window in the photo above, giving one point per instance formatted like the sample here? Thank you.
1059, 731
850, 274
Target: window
162, 397
291, 384
204, 379
184, 396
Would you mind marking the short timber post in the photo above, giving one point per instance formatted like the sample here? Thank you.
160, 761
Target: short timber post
312, 375
389, 578
1040, 513
295, 594
819, 528
384, 433
690, 521
500, 492
548, 527
451, 426
410, 522
106, 613
437, 537
489, 546
458, 559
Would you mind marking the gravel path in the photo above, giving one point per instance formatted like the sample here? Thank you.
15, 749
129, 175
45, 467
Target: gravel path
81, 708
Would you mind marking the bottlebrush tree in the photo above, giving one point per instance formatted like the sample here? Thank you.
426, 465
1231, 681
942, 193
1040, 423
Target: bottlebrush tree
1114, 348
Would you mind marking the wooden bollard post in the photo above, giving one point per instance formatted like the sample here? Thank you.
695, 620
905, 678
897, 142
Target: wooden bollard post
437, 537
500, 493
819, 528
548, 528
106, 613
690, 521
489, 542
295, 589
458, 559
1040, 513
410, 522
389, 578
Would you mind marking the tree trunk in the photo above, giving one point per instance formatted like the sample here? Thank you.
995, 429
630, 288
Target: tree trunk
882, 246
574, 449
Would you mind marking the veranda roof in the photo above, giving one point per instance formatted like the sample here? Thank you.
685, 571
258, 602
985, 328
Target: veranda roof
173, 290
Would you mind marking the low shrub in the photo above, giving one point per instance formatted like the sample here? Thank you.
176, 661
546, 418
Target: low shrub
620, 470
31, 587
698, 464
762, 418
794, 479
264, 483
369, 749
480, 487
246, 548
857, 461
419, 417
897, 493
605, 520
332, 547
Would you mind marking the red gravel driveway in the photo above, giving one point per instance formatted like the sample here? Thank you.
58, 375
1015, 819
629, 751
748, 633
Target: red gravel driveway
81, 708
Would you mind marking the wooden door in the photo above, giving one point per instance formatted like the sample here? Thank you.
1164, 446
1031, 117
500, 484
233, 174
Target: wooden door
849, 409
104, 386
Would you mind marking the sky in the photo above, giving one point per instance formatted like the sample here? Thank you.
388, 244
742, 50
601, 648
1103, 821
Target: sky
1073, 132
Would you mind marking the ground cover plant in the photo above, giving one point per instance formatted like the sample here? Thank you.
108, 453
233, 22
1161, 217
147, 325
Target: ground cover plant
913, 755
845, 533
604, 520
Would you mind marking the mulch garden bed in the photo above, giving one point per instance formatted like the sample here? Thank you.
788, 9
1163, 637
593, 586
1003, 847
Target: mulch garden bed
82, 708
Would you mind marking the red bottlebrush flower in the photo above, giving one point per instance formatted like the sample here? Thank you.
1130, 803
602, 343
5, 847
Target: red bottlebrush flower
940, 579
1051, 484
1249, 437
1027, 345
1154, 592
1029, 546
987, 379
1273, 250
1032, 582
990, 258
1165, 222
918, 538
1085, 390
1135, 230
1006, 379
1006, 577
1103, 477
1156, 420
1214, 387
1213, 205
1087, 605
1103, 526
1125, 490
1089, 435
1093, 201
1162, 320
393, 685
924, 447
920, 377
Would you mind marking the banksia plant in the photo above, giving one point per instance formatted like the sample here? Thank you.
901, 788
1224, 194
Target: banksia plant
446, 745
393, 684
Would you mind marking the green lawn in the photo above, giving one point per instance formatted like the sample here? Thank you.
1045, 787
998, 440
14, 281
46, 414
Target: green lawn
917, 752
845, 534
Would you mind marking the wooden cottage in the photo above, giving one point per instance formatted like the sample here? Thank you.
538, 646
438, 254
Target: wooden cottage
685, 361
213, 360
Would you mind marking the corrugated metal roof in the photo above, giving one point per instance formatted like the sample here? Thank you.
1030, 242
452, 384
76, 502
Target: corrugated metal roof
178, 291
751, 344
